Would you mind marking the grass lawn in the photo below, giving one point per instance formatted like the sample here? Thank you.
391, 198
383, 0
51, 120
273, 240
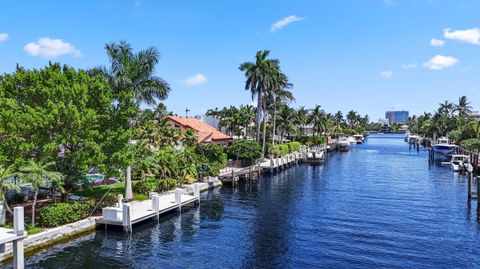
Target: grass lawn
30, 230
98, 191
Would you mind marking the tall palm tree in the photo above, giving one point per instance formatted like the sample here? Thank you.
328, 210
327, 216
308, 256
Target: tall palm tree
37, 174
134, 73
279, 93
258, 78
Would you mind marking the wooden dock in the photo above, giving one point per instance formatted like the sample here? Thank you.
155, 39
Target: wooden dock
131, 213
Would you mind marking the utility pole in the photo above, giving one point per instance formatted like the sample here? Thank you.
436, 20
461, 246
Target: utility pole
186, 112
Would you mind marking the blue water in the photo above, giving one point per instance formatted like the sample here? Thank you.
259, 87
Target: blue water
380, 205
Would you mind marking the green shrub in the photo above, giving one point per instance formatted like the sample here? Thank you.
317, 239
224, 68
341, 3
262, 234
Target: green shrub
294, 146
312, 140
142, 186
62, 213
213, 152
471, 144
166, 184
244, 150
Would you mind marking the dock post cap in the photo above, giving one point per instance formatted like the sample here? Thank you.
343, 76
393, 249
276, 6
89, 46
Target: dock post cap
18, 220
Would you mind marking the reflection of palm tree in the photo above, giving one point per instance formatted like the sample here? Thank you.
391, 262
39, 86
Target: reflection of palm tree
133, 73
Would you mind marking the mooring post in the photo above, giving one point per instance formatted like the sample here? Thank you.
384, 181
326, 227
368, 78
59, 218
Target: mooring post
470, 177
178, 198
156, 205
119, 200
478, 192
19, 228
126, 223
196, 191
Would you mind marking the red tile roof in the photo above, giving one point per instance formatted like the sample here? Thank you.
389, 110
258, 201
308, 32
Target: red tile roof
204, 131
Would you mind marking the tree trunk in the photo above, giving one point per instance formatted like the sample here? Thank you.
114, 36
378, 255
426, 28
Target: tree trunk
264, 133
274, 119
33, 207
128, 181
259, 110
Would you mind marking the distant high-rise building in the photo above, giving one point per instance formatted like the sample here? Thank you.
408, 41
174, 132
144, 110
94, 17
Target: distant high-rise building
396, 116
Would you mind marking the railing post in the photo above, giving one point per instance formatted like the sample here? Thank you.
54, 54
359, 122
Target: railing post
19, 228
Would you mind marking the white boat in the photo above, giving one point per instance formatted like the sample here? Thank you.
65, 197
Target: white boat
443, 148
358, 138
352, 140
343, 144
459, 162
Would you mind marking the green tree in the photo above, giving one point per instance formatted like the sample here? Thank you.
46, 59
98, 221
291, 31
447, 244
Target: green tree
56, 114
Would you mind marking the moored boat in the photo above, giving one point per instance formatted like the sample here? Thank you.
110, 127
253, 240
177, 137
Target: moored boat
343, 144
443, 149
358, 138
459, 162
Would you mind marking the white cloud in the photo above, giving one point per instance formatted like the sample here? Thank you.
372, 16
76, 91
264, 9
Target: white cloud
50, 48
437, 42
284, 22
195, 80
3, 37
471, 36
439, 62
386, 74
410, 66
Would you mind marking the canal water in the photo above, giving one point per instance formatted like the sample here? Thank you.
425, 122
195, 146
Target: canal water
380, 205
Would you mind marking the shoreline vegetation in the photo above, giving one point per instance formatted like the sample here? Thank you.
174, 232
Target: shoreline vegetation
57, 124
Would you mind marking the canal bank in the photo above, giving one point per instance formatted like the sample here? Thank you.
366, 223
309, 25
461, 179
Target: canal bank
378, 205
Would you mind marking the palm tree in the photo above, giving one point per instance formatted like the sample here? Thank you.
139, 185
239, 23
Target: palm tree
287, 121
463, 107
280, 94
133, 73
6, 172
302, 118
258, 75
446, 108
37, 174
318, 119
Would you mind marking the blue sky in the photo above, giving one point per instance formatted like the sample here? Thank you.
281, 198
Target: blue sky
365, 55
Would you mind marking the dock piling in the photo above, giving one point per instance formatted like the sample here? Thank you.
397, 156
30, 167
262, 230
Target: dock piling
178, 198
155, 206
18, 227
126, 223
196, 191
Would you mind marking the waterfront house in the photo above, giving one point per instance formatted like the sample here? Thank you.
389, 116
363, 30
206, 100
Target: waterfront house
204, 132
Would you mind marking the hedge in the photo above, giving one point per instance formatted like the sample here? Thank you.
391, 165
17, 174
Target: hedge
58, 214
284, 149
312, 140
244, 150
